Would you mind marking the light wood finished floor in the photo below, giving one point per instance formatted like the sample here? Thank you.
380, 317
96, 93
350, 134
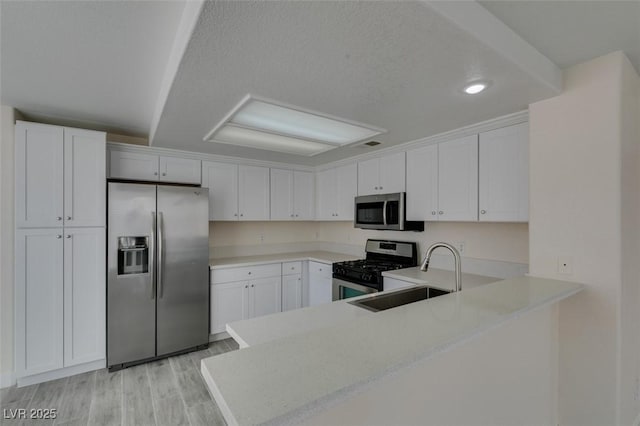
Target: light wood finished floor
166, 392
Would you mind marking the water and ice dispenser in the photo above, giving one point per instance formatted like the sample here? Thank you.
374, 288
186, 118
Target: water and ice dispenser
133, 255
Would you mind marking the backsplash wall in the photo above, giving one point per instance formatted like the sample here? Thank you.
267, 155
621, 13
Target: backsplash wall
508, 242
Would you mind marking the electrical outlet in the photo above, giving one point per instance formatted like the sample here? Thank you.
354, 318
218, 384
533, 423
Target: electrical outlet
459, 246
565, 265
317, 235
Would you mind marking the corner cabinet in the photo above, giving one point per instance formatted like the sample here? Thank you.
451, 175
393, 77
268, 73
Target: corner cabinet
336, 189
504, 175
236, 192
442, 181
382, 175
60, 251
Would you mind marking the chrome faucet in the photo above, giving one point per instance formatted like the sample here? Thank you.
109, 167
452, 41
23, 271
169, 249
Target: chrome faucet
456, 258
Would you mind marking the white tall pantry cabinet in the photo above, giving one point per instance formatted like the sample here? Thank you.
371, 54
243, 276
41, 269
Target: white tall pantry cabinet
60, 251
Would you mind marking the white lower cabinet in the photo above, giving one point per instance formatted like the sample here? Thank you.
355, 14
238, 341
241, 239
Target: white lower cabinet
291, 292
60, 298
320, 283
244, 298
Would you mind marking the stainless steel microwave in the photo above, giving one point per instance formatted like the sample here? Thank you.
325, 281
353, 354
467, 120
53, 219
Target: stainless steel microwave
383, 211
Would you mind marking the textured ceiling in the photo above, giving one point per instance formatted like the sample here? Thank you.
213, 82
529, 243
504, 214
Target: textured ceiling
395, 65
96, 63
398, 65
571, 32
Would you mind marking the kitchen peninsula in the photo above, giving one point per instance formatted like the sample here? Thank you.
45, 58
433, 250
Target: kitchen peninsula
378, 360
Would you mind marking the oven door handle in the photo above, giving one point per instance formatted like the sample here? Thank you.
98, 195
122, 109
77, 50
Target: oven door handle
384, 213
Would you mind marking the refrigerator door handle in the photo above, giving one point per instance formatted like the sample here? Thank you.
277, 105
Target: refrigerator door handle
152, 255
160, 253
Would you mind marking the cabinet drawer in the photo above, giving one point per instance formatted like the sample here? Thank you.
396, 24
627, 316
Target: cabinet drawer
245, 273
321, 269
291, 268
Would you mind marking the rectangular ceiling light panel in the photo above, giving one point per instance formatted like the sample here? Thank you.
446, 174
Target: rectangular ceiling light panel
268, 125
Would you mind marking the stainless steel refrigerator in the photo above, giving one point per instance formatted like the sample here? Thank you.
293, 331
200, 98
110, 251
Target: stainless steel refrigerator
157, 271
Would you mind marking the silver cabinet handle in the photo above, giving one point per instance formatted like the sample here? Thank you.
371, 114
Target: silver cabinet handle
68, 236
152, 254
246, 286
235, 214
252, 285
483, 211
433, 213
291, 215
440, 212
241, 215
155, 173
164, 174
58, 236
380, 187
68, 217
375, 187
296, 215
249, 272
160, 252
292, 268
59, 218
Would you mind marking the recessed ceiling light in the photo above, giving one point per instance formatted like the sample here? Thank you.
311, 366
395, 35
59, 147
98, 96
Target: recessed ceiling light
273, 126
475, 87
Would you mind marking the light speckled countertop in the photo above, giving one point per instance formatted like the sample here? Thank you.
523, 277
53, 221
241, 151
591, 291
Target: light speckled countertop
283, 380
438, 278
316, 256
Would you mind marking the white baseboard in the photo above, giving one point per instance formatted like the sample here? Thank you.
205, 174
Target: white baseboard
7, 380
63, 372
218, 336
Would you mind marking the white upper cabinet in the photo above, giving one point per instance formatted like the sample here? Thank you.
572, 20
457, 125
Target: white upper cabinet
458, 179
84, 178
183, 170
422, 183
442, 181
282, 194
292, 195
222, 181
504, 174
335, 192
236, 192
60, 176
39, 175
253, 193
133, 165
382, 175
304, 195
153, 167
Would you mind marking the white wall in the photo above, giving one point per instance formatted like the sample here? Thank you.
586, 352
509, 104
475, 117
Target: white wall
577, 189
6, 244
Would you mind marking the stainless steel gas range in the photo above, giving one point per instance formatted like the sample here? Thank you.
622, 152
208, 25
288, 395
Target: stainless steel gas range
357, 277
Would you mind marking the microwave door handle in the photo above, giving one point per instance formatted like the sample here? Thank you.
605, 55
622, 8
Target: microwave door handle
384, 213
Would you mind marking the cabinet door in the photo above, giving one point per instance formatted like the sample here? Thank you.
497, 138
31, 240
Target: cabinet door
84, 178
326, 196
265, 296
303, 196
182, 170
320, 290
458, 179
392, 173
282, 194
39, 175
222, 181
369, 177
422, 183
504, 174
84, 295
229, 303
133, 165
291, 292
346, 191
253, 183
39, 301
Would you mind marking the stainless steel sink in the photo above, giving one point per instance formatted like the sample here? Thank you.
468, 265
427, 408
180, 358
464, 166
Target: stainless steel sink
382, 302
